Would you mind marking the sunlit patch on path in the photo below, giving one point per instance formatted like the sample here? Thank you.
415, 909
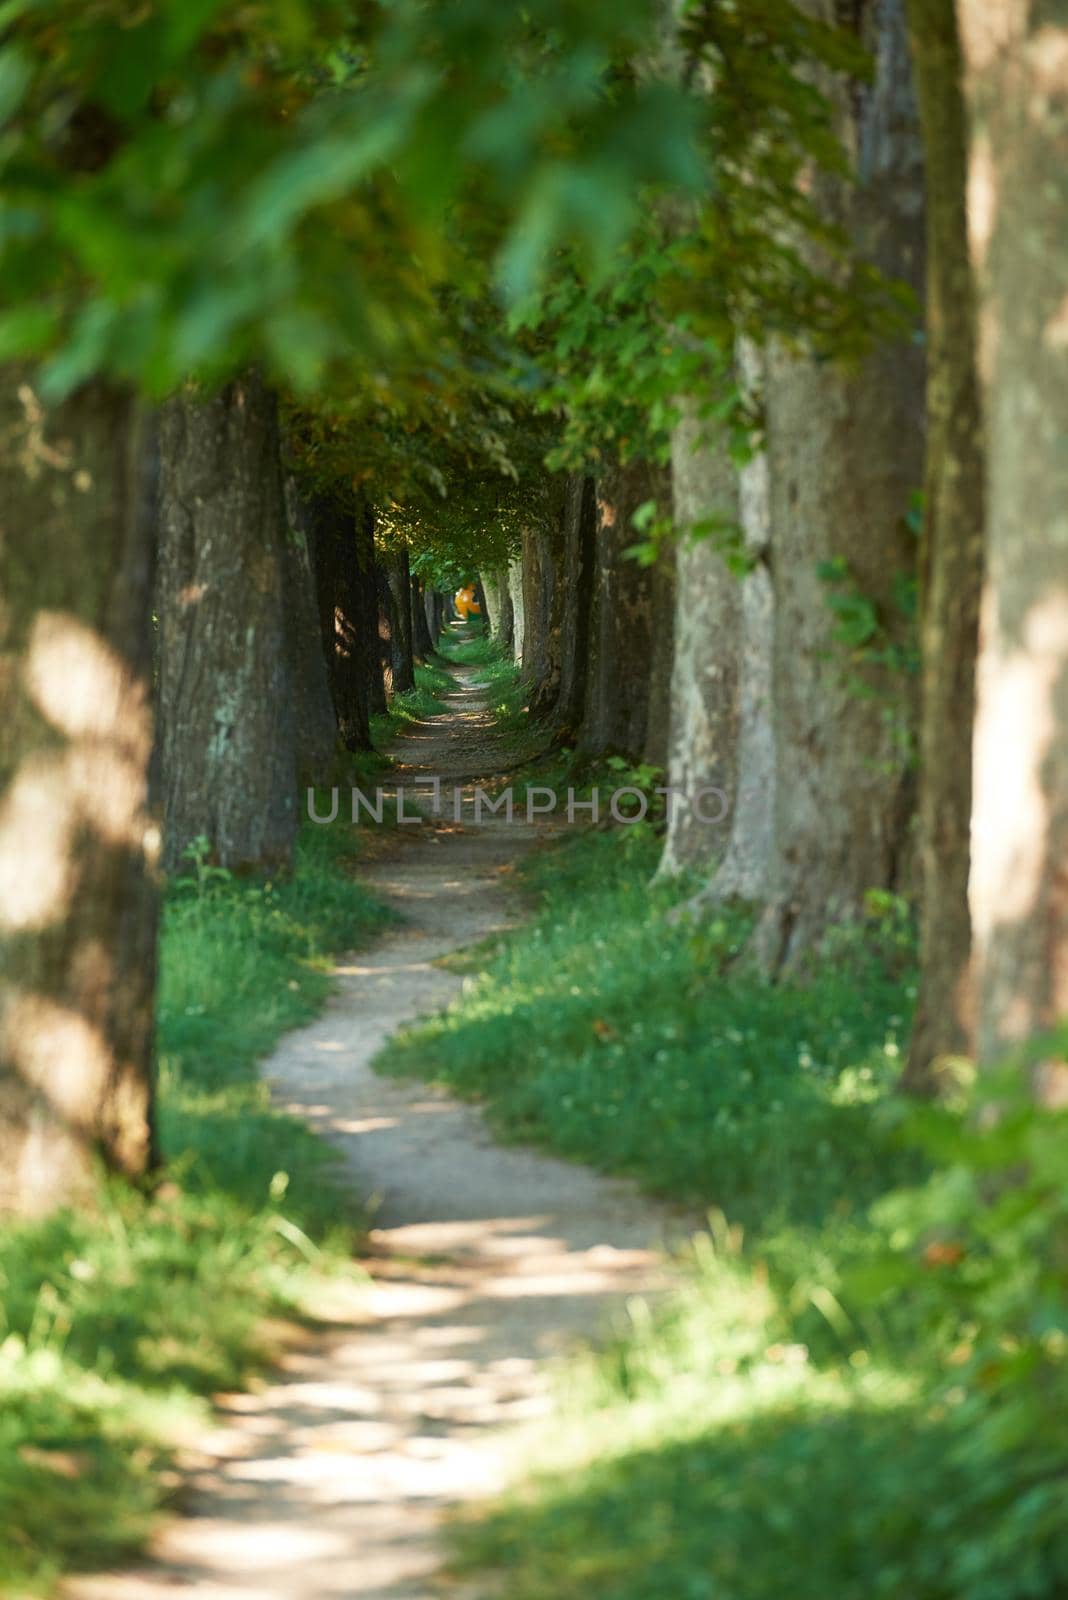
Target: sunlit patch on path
485, 1263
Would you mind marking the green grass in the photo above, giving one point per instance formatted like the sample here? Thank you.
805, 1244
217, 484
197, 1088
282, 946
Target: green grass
859, 1390
618, 1039
431, 681
118, 1322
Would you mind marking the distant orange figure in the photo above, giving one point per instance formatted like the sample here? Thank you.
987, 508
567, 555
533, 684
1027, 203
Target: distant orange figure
465, 602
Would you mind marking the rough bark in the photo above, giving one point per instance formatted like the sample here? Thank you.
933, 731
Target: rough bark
743, 872
369, 622
313, 706
704, 682
78, 890
845, 451
491, 611
422, 643
506, 625
400, 582
343, 618
226, 689
577, 578
662, 620
616, 705
1016, 78
517, 597
386, 624
542, 606
951, 559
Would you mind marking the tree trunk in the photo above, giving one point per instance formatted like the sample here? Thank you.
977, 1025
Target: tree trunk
845, 451
542, 607
400, 583
516, 593
743, 872
704, 682
313, 706
1015, 77
491, 604
435, 604
951, 560
577, 579
616, 710
226, 690
369, 623
387, 621
343, 618
506, 629
422, 643
662, 621
78, 889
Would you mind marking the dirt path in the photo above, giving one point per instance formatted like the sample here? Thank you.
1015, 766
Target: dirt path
486, 1262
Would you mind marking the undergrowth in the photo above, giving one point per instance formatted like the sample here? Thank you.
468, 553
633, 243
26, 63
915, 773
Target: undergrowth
120, 1319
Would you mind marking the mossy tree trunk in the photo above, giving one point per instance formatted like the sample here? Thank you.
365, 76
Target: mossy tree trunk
78, 889
226, 685
951, 559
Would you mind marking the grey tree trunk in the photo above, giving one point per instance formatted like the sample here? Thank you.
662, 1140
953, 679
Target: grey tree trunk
616, 708
343, 617
78, 886
369, 622
845, 451
577, 580
704, 680
542, 606
313, 706
1018, 184
743, 872
400, 583
506, 626
951, 561
516, 595
226, 687
662, 621
492, 604
422, 643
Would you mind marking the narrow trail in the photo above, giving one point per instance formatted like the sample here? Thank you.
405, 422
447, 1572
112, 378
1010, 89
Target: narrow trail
486, 1262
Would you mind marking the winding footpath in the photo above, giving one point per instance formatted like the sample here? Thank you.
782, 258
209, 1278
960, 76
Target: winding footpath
485, 1263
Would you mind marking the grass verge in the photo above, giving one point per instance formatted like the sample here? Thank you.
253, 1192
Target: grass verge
121, 1320
859, 1391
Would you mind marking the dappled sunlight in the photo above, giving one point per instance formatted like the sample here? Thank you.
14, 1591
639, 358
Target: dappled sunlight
1013, 812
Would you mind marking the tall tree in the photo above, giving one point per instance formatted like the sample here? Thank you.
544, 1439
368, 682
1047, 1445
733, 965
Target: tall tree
369, 634
78, 891
577, 579
615, 714
313, 706
398, 574
951, 558
704, 682
343, 616
845, 453
225, 679
1016, 79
